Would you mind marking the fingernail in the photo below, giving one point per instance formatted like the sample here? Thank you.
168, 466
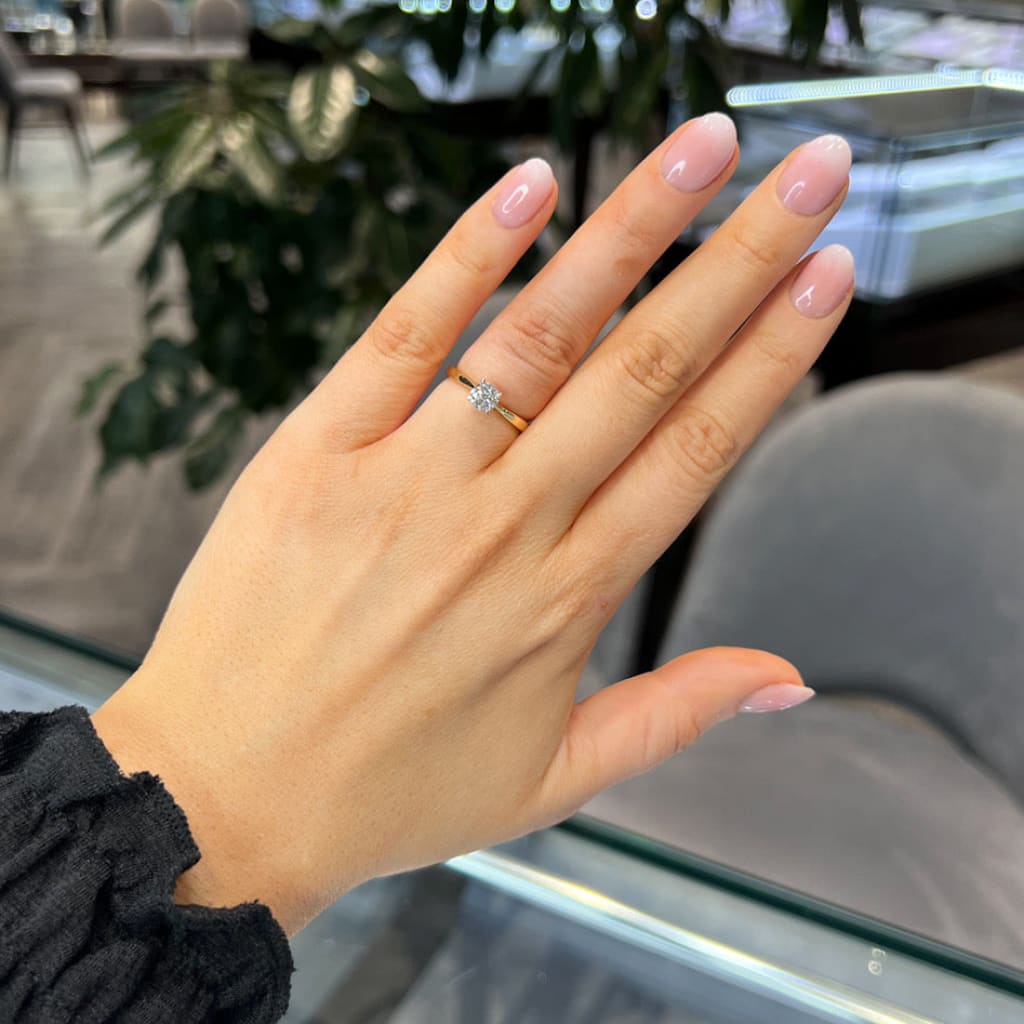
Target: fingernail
816, 175
776, 698
823, 282
700, 153
525, 192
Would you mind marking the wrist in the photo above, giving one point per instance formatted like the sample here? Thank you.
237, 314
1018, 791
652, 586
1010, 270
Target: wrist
232, 868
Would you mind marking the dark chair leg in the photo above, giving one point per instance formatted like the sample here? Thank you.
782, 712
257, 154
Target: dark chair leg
78, 136
13, 118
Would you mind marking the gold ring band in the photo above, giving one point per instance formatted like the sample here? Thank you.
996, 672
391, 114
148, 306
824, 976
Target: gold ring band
486, 397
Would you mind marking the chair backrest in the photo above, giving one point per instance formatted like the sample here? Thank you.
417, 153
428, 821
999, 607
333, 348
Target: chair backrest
144, 19
219, 19
876, 539
10, 66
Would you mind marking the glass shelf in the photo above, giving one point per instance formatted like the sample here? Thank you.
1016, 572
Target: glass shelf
581, 922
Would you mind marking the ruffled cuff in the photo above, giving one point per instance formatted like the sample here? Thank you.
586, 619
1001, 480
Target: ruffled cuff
89, 859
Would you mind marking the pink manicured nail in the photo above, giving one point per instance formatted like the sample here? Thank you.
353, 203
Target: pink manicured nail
700, 153
776, 698
525, 192
816, 175
824, 281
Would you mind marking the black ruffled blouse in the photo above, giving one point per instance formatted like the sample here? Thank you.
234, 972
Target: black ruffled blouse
89, 859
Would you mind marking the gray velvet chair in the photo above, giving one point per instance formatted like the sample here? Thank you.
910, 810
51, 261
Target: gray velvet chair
22, 87
220, 20
876, 539
143, 20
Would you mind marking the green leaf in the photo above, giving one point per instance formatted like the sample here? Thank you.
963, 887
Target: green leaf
591, 91
641, 79
533, 75
446, 37
701, 81
173, 421
210, 454
721, 8
164, 353
382, 22
249, 155
129, 429
489, 26
851, 15
156, 132
94, 386
292, 31
345, 329
120, 224
322, 111
581, 90
808, 21
154, 311
384, 78
152, 265
192, 154
127, 140
125, 197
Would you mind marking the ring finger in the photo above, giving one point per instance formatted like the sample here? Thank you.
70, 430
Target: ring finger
652, 356
529, 350
653, 495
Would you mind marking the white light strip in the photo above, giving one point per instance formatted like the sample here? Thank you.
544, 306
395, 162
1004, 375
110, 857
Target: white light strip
848, 88
639, 929
1002, 78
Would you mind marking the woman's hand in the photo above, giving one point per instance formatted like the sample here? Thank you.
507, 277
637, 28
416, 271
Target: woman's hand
370, 664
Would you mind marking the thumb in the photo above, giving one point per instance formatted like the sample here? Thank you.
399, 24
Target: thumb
634, 725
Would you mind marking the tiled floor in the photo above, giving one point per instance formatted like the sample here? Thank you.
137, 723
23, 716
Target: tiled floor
96, 562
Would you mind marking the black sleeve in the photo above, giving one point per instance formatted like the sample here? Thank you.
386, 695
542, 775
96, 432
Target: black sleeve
89, 859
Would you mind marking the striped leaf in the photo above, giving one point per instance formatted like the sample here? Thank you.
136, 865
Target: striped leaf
248, 154
192, 154
322, 110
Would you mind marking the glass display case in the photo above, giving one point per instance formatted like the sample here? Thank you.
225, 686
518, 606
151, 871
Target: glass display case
898, 35
937, 187
579, 923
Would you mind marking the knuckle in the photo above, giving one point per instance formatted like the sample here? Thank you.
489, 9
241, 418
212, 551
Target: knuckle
563, 610
756, 249
776, 353
701, 446
470, 260
578, 600
399, 335
491, 531
292, 492
637, 233
664, 735
658, 364
544, 339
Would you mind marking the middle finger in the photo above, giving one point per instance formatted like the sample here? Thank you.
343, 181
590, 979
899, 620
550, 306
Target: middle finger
666, 342
531, 348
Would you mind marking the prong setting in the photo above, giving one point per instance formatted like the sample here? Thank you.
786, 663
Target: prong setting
485, 396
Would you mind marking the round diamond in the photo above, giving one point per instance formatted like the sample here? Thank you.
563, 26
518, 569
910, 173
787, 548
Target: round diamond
485, 396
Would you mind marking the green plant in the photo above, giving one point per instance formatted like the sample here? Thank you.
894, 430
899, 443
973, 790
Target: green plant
299, 200
296, 212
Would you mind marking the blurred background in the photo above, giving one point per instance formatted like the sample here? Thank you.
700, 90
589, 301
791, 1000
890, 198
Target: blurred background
204, 202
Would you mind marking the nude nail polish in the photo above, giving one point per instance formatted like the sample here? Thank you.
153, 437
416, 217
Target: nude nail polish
824, 281
815, 175
700, 153
776, 698
524, 193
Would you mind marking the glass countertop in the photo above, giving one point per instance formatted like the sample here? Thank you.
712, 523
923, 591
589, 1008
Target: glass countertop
582, 922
